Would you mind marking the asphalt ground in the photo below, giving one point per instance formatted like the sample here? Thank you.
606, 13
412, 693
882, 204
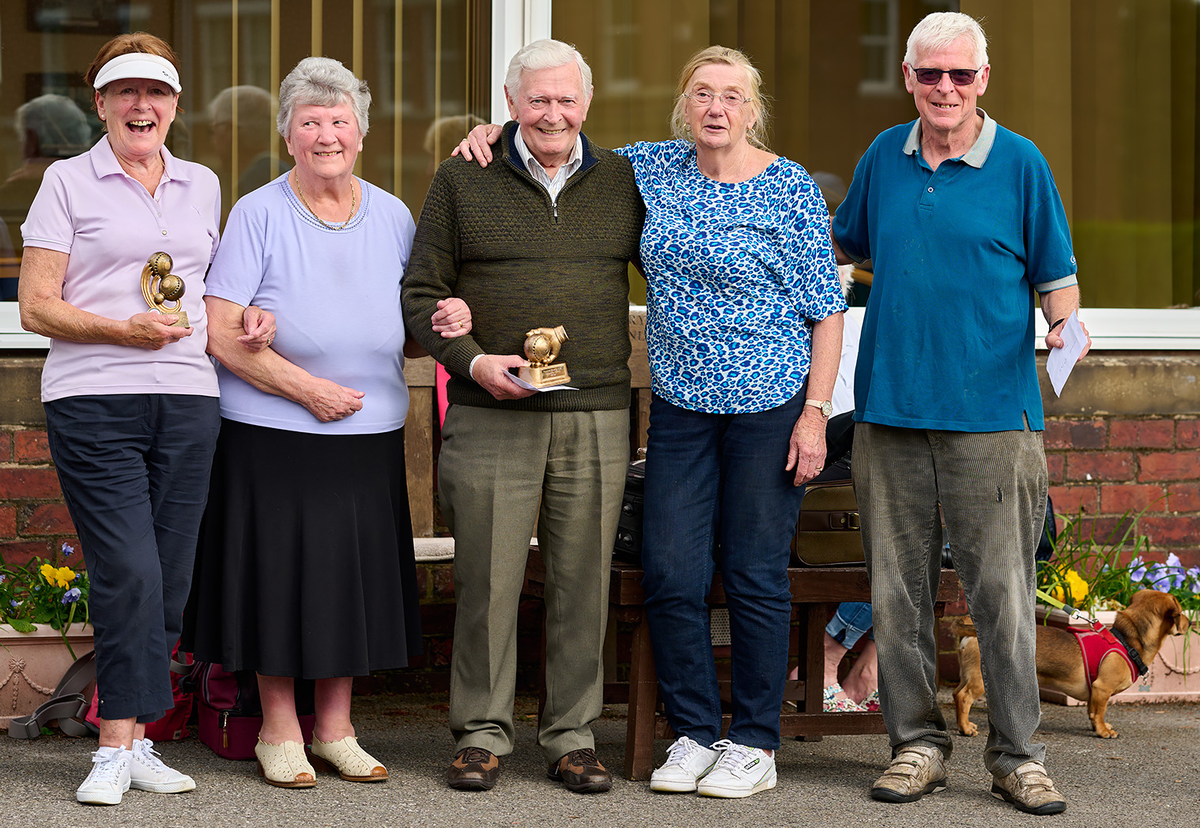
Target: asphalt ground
1147, 777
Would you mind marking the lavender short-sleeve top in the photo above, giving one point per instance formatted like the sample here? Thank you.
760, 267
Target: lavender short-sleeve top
335, 294
109, 225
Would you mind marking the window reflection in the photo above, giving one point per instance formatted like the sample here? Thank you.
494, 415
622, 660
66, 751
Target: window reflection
425, 61
1105, 88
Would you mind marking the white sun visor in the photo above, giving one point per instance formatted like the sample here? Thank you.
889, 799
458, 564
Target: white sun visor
138, 65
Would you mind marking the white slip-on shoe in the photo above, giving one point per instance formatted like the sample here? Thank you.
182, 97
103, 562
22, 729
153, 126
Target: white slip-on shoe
741, 771
346, 758
109, 777
148, 773
687, 763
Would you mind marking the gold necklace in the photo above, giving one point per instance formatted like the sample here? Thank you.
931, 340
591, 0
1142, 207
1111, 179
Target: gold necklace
304, 201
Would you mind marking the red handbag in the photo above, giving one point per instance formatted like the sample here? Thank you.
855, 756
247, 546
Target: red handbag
230, 714
173, 725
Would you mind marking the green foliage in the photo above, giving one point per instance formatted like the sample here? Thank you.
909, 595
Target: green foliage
1087, 572
41, 593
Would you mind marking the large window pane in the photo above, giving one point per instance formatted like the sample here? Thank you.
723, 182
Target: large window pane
1107, 89
425, 60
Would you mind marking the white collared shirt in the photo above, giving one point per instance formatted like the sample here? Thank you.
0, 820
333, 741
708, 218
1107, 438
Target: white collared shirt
553, 185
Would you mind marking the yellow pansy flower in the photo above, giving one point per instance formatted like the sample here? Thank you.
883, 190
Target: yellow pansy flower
1076, 589
60, 577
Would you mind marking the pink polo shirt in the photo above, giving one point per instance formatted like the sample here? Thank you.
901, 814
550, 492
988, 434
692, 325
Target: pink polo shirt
91, 209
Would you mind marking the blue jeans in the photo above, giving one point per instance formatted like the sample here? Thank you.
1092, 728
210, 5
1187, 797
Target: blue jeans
850, 623
710, 478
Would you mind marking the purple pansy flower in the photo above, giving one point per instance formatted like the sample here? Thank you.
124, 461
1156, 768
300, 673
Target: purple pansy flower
71, 595
67, 550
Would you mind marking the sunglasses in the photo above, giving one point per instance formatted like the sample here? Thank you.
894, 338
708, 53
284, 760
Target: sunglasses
958, 77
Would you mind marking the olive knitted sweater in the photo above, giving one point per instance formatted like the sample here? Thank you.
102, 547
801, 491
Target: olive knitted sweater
492, 237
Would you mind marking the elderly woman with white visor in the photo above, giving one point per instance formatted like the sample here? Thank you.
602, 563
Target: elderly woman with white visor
129, 392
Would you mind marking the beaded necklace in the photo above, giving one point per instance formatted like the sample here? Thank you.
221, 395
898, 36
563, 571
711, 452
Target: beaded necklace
324, 223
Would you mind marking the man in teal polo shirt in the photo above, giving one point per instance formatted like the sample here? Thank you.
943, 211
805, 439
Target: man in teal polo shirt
964, 225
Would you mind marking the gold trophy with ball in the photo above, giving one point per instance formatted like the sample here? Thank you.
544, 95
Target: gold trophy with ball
162, 289
541, 349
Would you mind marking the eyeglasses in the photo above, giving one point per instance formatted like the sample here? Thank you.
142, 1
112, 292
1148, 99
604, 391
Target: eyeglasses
958, 77
729, 100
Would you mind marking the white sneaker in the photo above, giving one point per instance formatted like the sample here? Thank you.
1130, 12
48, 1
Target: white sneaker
741, 771
109, 779
148, 773
687, 763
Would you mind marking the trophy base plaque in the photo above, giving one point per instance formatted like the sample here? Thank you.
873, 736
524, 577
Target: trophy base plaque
544, 376
182, 321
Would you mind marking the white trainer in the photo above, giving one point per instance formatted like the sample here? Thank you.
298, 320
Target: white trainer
148, 773
109, 778
687, 763
741, 771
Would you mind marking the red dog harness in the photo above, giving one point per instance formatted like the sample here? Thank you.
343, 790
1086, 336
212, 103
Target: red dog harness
1096, 644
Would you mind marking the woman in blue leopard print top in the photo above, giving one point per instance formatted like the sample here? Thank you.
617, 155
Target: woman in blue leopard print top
743, 326
744, 329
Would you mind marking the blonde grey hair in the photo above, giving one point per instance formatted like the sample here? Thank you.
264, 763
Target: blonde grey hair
941, 30
756, 101
545, 54
322, 81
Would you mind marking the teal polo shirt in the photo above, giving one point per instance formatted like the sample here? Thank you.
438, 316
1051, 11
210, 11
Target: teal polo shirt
948, 335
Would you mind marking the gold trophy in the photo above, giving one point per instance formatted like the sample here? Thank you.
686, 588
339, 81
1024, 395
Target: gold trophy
541, 348
160, 286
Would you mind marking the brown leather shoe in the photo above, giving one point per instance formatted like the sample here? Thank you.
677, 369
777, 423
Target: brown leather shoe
473, 769
581, 772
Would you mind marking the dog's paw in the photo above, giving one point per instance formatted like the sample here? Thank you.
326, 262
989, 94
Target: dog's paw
970, 729
1107, 733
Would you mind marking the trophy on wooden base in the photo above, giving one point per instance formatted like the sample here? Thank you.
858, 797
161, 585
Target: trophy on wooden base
541, 349
162, 289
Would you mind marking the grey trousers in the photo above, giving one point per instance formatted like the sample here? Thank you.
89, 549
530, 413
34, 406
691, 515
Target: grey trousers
494, 470
992, 490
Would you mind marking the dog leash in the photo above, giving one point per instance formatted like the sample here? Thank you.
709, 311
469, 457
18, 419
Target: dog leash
1112, 636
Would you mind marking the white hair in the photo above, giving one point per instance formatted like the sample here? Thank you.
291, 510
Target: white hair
545, 54
941, 30
322, 81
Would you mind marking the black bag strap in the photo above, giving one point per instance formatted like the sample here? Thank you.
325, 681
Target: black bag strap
67, 704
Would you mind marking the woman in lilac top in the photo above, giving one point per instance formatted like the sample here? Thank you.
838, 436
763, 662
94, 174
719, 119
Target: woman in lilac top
131, 401
306, 567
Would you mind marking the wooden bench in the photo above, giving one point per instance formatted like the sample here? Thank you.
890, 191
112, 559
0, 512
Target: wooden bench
816, 592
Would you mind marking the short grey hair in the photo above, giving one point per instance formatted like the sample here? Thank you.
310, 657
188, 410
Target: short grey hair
60, 126
545, 54
322, 81
941, 30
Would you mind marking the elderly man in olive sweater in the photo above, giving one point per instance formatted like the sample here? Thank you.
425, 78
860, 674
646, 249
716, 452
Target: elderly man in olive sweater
540, 239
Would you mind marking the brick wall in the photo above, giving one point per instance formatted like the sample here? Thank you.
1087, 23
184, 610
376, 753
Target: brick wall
33, 517
1111, 467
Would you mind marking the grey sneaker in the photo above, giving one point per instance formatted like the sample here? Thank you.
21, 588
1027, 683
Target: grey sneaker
1030, 790
915, 771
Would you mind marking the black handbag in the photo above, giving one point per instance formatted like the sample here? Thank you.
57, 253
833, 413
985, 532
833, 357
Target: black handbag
628, 545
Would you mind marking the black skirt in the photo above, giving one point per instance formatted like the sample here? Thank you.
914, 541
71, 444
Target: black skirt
305, 565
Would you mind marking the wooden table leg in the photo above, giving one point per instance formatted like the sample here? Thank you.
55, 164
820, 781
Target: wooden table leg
643, 701
812, 657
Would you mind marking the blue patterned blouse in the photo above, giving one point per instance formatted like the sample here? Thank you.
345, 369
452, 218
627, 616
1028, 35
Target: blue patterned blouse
737, 274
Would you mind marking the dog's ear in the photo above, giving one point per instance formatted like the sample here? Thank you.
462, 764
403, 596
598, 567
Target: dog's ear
1179, 619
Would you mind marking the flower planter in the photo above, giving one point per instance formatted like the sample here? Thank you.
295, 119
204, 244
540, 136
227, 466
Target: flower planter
1174, 673
31, 665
